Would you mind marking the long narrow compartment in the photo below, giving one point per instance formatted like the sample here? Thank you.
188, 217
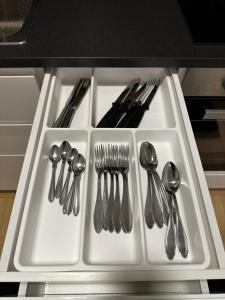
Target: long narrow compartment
64, 81
105, 248
167, 145
49, 239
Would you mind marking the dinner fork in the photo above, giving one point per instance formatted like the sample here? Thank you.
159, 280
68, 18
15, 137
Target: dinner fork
98, 211
126, 209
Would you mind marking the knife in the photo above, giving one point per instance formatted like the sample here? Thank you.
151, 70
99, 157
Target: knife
131, 88
134, 116
65, 118
123, 107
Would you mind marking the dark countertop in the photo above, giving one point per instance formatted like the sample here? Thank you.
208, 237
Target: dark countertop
111, 33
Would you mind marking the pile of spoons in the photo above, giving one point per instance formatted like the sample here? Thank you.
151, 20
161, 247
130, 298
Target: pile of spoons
161, 205
68, 194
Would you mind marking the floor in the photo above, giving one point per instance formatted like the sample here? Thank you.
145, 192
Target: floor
6, 203
7, 198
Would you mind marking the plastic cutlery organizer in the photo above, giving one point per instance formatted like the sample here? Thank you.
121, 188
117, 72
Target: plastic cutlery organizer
51, 241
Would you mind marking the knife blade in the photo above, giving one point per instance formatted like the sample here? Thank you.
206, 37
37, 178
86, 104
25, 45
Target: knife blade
131, 88
73, 102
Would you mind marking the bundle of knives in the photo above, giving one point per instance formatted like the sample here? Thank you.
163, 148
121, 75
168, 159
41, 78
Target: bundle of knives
129, 108
66, 116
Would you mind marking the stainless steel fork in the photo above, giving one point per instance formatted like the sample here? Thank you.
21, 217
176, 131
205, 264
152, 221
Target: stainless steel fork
117, 206
126, 209
104, 159
98, 211
110, 203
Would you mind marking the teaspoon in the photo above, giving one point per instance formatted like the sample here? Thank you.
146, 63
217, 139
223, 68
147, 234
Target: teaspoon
65, 148
171, 180
54, 157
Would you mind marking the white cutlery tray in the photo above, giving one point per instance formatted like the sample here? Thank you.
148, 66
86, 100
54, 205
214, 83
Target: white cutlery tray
51, 241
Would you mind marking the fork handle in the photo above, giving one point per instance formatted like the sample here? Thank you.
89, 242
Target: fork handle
126, 210
110, 204
117, 208
105, 199
98, 212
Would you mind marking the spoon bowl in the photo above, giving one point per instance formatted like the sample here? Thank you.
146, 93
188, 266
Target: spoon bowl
71, 156
79, 164
148, 157
171, 177
54, 154
65, 149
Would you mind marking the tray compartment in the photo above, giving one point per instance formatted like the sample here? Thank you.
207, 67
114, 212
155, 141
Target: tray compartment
108, 248
65, 79
109, 83
167, 145
48, 239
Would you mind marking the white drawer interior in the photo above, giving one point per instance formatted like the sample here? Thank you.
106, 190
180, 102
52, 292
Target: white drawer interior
167, 127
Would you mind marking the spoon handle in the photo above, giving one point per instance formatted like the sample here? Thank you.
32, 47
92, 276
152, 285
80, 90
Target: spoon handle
158, 216
163, 196
117, 208
60, 180
170, 241
98, 212
110, 204
71, 196
65, 187
76, 206
181, 237
126, 210
51, 194
149, 219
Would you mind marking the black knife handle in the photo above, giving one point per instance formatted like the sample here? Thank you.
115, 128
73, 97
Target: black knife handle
136, 119
126, 118
117, 115
105, 120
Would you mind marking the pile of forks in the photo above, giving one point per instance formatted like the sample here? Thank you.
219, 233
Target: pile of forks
110, 212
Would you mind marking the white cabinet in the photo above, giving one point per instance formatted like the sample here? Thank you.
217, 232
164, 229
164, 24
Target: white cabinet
55, 90
20, 89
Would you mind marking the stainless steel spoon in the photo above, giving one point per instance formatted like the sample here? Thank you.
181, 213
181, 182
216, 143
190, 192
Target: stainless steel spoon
171, 180
71, 156
153, 213
54, 156
73, 198
65, 148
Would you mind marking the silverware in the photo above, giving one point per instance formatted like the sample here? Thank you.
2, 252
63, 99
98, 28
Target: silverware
171, 180
110, 204
149, 161
126, 209
65, 148
98, 211
107, 118
117, 206
73, 198
104, 158
54, 156
75, 99
71, 155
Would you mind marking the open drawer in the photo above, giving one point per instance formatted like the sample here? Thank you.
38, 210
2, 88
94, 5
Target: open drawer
91, 257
